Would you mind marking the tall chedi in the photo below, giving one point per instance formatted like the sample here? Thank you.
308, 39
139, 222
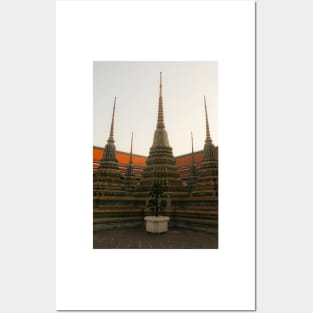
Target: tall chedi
161, 167
207, 182
107, 179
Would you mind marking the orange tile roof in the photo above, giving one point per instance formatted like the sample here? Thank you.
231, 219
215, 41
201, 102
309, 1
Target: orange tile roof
140, 160
186, 159
97, 153
122, 157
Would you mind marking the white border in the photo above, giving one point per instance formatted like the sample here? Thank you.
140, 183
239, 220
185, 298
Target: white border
220, 279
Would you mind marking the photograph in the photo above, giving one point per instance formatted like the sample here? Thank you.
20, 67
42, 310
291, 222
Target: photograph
155, 155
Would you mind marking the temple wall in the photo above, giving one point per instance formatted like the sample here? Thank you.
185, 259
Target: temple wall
113, 212
198, 213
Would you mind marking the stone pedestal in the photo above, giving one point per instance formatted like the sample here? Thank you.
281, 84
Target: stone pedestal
157, 224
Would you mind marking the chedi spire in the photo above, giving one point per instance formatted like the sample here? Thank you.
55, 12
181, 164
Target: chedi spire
130, 167
109, 149
209, 151
111, 139
208, 136
192, 168
131, 151
160, 134
192, 152
160, 123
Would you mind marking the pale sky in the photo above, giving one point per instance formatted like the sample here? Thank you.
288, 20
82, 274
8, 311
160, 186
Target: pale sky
136, 87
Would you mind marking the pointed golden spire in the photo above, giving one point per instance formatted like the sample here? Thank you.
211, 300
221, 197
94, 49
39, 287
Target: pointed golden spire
208, 137
160, 123
111, 139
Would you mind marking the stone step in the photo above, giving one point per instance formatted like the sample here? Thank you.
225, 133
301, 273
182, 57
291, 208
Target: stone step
196, 208
205, 228
116, 219
117, 210
196, 221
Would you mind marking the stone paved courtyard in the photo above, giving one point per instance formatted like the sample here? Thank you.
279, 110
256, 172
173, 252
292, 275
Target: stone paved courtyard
138, 238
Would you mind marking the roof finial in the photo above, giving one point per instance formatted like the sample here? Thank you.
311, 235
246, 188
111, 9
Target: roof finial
160, 123
208, 137
112, 123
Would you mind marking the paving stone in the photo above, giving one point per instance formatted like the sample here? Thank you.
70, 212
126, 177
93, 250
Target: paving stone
138, 238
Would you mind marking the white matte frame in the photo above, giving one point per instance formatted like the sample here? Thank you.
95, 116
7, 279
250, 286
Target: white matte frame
118, 279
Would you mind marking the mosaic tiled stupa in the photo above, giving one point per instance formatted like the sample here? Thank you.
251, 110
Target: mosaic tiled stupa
161, 167
207, 181
108, 178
